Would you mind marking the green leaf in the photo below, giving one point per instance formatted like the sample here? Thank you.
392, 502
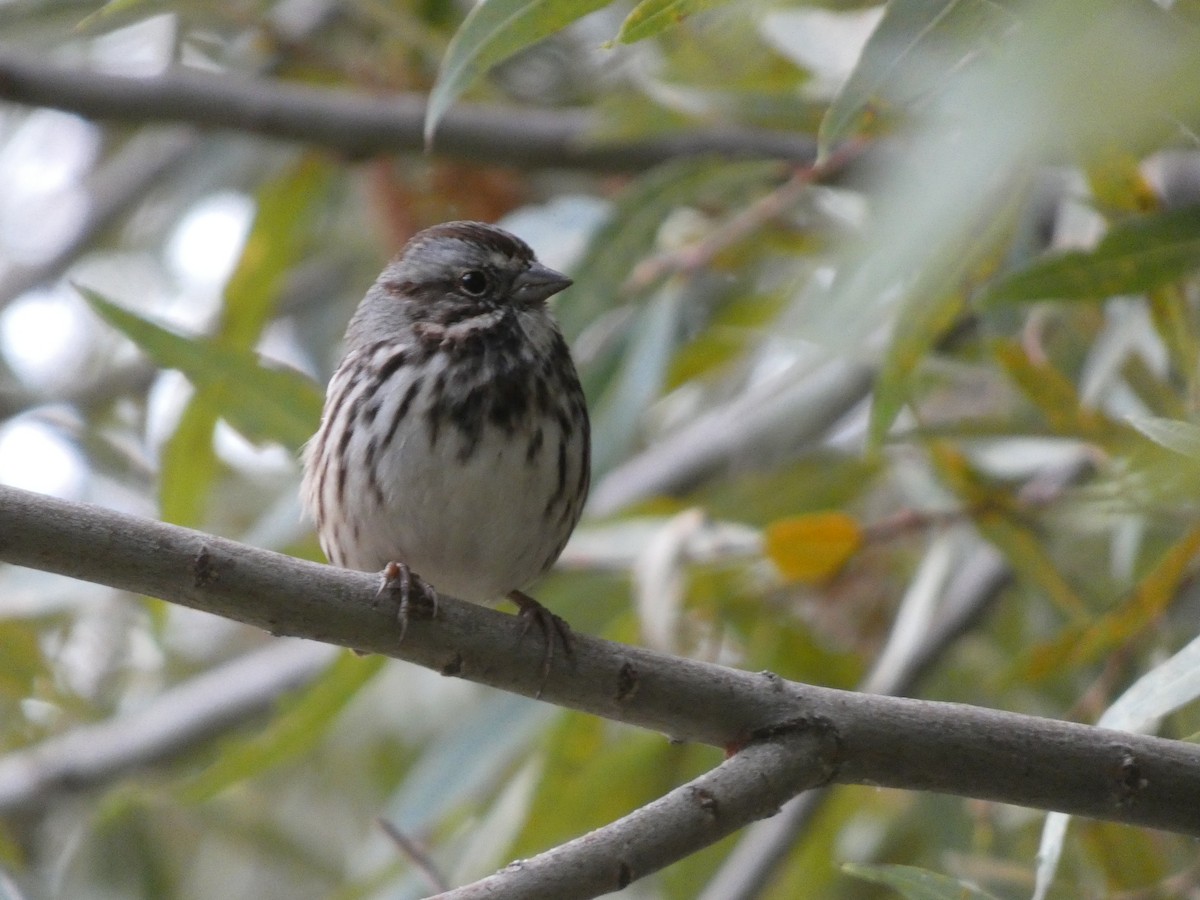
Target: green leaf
653, 16
640, 378
1089, 641
293, 732
917, 43
492, 32
590, 779
188, 465
917, 884
930, 304
276, 241
993, 515
21, 661
1136, 255
1182, 437
263, 403
630, 234
919, 324
116, 12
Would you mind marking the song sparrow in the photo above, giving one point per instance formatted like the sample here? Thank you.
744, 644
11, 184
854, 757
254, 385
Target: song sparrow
454, 444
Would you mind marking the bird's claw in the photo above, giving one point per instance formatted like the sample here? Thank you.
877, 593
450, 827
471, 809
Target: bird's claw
552, 627
411, 591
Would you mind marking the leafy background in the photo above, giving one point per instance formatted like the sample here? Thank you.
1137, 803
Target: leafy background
819, 393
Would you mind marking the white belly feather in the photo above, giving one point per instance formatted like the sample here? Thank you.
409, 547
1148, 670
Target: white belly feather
474, 527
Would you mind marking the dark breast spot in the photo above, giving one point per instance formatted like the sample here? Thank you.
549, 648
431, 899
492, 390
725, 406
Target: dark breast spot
371, 409
402, 410
561, 485
467, 415
391, 366
438, 402
534, 450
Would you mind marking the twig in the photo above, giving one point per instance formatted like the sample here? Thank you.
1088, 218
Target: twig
416, 854
778, 417
177, 719
743, 789
359, 124
748, 869
978, 583
757, 214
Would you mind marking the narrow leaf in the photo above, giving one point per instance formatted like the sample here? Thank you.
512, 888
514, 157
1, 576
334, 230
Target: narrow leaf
188, 465
293, 732
917, 884
1136, 255
630, 234
492, 32
1118, 185
917, 43
932, 301
639, 380
1085, 644
1053, 395
276, 241
919, 324
653, 16
993, 514
261, 402
1182, 437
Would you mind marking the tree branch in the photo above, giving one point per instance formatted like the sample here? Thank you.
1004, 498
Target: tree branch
885, 741
362, 125
745, 873
791, 409
743, 789
178, 718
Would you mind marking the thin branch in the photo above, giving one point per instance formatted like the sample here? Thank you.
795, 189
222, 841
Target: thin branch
978, 582
887, 741
769, 206
178, 718
417, 854
778, 417
361, 125
743, 789
748, 869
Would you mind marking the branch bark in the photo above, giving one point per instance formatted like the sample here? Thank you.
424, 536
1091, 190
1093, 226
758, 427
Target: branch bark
743, 789
885, 741
361, 125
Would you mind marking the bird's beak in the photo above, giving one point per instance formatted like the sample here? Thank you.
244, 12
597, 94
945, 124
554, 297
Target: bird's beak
538, 283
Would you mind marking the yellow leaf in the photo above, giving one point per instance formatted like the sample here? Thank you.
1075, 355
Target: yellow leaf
1118, 184
813, 547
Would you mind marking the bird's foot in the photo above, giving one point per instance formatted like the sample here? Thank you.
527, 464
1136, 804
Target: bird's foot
411, 591
553, 628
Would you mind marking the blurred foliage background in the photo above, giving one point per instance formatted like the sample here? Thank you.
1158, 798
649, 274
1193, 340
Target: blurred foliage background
917, 415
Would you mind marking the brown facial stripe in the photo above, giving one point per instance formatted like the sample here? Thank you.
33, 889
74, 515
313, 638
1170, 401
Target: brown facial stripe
401, 290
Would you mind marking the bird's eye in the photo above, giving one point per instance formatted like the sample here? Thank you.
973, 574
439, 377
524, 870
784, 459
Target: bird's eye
473, 282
